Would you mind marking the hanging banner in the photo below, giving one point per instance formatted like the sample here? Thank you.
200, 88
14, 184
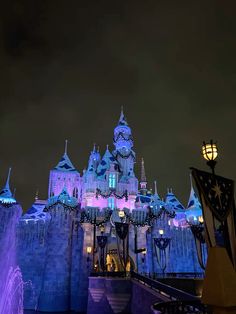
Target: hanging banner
162, 247
122, 229
122, 232
217, 199
198, 232
102, 242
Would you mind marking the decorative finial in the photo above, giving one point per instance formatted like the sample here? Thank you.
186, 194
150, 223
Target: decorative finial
191, 180
155, 185
107, 147
94, 147
66, 143
8, 178
122, 120
36, 195
143, 174
98, 148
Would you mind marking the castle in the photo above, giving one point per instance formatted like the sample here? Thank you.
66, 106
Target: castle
56, 237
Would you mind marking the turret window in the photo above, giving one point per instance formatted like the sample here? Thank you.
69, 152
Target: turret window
112, 180
111, 202
75, 192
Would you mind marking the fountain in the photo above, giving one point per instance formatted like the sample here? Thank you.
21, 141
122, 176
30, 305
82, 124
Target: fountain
11, 283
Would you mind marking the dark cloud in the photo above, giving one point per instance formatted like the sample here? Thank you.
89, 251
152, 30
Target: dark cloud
68, 66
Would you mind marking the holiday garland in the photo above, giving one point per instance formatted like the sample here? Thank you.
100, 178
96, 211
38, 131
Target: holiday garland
67, 207
111, 193
87, 216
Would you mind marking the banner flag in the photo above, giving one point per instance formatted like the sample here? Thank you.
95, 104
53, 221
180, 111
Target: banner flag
217, 199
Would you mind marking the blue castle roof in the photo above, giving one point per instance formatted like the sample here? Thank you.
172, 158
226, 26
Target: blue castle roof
104, 164
172, 201
6, 196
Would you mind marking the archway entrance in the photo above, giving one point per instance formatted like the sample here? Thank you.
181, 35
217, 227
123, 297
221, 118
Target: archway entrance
113, 262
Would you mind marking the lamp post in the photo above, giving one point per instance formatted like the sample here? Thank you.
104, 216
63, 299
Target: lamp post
217, 199
210, 152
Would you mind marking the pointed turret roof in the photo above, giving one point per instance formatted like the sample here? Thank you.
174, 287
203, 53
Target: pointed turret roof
172, 201
36, 211
63, 198
122, 120
194, 207
5, 194
104, 165
94, 158
155, 196
65, 164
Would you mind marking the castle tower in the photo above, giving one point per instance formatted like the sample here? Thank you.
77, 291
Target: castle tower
64, 175
123, 142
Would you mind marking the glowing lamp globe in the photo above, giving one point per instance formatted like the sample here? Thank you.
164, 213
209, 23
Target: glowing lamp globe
89, 249
144, 252
209, 151
161, 232
121, 214
200, 219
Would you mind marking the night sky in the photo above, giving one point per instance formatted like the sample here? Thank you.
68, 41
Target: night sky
68, 66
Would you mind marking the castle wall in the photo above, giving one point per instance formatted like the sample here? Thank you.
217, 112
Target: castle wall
32, 246
55, 293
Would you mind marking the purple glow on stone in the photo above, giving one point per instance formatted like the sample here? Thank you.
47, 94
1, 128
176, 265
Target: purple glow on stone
11, 284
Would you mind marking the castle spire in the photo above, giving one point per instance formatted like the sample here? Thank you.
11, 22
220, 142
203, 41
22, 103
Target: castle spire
155, 185
143, 174
36, 195
5, 193
66, 144
143, 182
65, 164
122, 120
7, 186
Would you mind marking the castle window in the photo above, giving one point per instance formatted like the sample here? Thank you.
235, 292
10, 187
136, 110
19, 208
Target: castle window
75, 192
111, 202
112, 180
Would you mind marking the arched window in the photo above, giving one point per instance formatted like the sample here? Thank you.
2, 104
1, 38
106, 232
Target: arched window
75, 193
111, 202
112, 180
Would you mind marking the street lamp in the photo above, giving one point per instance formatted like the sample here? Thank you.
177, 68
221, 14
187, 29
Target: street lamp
210, 152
